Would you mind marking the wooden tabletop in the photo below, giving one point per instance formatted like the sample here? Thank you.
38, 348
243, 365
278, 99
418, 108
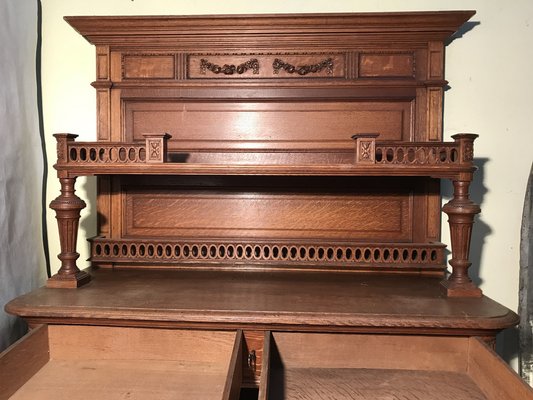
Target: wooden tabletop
265, 300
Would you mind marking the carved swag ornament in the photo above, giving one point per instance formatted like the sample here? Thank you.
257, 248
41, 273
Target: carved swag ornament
229, 69
326, 64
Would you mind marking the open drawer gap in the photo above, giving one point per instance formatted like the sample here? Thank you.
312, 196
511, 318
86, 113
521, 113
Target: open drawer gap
81, 362
362, 367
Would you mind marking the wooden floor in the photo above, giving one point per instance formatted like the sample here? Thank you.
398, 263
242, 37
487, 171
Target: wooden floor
371, 384
273, 299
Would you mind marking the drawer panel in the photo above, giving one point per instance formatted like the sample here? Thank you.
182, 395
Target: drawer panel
80, 362
340, 366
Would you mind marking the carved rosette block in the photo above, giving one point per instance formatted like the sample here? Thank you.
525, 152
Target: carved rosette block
365, 148
67, 207
156, 147
461, 212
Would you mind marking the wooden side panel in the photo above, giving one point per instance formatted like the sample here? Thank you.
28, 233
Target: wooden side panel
244, 213
493, 376
22, 360
259, 125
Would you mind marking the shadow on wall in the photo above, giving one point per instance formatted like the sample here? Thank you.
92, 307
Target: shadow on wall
88, 221
465, 28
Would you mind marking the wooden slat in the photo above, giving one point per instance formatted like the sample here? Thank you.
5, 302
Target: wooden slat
493, 376
22, 360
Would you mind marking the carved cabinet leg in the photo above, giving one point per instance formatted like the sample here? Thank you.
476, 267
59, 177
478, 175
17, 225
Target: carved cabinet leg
67, 207
461, 211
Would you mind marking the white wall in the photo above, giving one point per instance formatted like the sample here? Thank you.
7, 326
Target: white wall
22, 266
489, 71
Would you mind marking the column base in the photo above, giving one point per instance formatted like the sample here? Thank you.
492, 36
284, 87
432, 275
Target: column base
69, 281
453, 289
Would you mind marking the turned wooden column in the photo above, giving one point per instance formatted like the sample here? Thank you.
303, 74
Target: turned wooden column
461, 212
67, 207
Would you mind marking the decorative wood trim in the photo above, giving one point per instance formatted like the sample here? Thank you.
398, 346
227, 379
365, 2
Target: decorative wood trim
296, 64
365, 148
368, 151
378, 256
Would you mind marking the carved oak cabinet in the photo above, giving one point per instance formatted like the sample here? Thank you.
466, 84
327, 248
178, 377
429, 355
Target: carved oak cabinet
268, 218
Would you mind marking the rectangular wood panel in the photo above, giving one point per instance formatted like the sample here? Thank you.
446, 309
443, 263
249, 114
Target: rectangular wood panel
279, 125
145, 66
386, 65
196, 213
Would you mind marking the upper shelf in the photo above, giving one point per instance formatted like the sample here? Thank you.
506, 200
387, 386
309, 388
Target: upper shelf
370, 158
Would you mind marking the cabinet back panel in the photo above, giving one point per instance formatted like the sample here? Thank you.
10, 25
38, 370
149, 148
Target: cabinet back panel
266, 125
273, 211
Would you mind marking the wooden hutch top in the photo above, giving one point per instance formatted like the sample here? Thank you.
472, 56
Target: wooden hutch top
297, 146
270, 173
